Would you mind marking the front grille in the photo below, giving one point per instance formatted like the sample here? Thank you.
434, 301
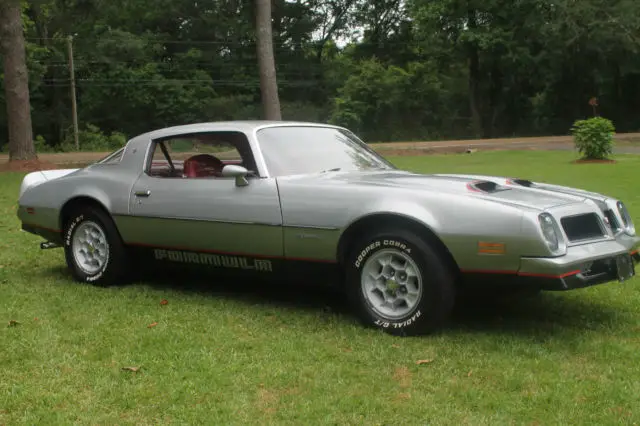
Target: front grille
582, 227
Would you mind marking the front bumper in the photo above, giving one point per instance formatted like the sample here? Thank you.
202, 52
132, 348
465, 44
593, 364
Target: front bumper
584, 265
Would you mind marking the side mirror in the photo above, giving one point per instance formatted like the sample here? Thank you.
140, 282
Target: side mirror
237, 172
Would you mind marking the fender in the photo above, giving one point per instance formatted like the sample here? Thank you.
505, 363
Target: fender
400, 208
413, 212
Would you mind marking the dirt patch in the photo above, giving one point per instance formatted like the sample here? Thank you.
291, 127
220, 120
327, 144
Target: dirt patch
403, 376
269, 400
591, 161
27, 166
404, 152
408, 152
64, 158
402, 397
627, 138
626, 143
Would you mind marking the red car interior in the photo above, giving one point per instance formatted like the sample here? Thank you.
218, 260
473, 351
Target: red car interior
202, 165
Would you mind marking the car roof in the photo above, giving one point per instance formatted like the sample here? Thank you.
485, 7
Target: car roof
246, 126
140, 143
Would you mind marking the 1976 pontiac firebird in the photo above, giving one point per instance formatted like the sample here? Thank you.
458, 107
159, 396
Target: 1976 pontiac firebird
293, 199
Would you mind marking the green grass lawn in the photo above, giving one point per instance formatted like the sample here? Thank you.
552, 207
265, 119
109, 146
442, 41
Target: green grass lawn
248, 353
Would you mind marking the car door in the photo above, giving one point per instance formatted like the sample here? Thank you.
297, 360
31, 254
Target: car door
206, 219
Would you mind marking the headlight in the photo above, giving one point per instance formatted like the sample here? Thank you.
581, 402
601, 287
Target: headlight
627, 222
551, 233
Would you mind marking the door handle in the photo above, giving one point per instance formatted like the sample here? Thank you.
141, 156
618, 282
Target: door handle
145, 193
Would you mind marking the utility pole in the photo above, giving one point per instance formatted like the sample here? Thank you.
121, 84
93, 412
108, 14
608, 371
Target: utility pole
266, 61
74, 107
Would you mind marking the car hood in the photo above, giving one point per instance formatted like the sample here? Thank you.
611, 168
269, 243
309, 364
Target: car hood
492, 189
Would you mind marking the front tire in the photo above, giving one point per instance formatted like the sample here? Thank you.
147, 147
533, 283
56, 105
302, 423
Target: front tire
93, 249
400, 283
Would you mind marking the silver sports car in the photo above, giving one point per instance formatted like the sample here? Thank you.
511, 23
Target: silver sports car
300, 199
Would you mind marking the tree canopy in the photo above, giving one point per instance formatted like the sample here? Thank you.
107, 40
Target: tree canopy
388, 69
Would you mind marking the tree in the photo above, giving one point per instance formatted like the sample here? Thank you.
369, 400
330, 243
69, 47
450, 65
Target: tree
16, 81
266, 61
391, 69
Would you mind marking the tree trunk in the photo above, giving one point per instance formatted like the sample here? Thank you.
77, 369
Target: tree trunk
475, 95
16, 81
495, 102
266, 62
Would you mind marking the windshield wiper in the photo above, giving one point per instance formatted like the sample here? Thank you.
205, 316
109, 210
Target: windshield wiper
337, 169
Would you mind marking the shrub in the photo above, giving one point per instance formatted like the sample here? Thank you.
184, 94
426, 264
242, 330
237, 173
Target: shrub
93, 139
593, 138
40, 144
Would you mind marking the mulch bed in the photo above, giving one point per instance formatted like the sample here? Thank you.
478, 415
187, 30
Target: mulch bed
589, 161
27, 166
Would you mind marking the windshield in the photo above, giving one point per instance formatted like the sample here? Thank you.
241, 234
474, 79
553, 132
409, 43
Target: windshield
290, 150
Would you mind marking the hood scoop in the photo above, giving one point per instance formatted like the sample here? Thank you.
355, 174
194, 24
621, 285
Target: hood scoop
521, 182
486, 187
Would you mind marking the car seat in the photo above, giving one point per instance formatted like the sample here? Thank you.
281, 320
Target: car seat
202, 165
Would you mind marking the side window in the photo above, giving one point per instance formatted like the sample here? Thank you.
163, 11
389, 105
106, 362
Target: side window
113, 158
200, 155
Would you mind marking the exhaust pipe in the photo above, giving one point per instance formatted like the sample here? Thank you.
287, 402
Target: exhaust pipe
48, 245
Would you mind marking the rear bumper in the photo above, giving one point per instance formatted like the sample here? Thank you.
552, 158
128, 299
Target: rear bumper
42, 221
52, 235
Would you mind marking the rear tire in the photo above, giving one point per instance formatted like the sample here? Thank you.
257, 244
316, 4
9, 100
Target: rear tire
399, 283
93, 249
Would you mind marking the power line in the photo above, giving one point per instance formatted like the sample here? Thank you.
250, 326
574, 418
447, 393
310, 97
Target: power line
221, 83
205, 65
179, 64
247, 43
160, 77
150, 38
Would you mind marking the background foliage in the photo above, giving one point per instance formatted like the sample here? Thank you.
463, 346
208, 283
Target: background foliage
389, 69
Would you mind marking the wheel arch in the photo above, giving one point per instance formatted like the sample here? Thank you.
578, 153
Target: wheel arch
76, 202
377, 220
